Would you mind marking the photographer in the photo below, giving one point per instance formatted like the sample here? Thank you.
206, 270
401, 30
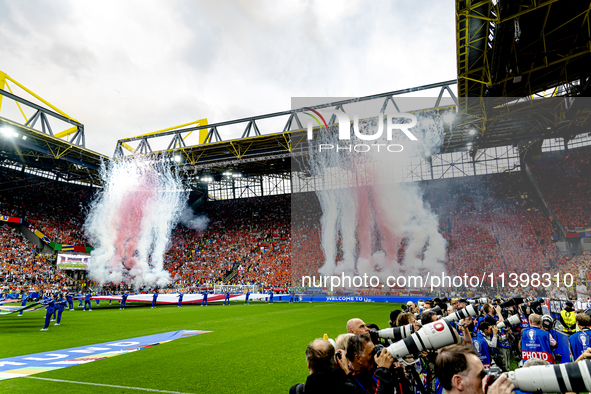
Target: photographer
454, 304
485, 343
524, 312
407, 318
428, 317
393, 316
357, 326
370, 371
460, 371
503, 351
325, 375
535, 342
462, 302
410, 307
580, 341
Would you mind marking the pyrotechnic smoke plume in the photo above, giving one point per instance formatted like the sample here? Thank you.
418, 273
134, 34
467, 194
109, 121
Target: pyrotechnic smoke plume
374, 207
131, 219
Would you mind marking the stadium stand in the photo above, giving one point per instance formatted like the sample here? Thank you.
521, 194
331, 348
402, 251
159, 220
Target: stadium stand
249, 237
493, 222
21, 268
564, 179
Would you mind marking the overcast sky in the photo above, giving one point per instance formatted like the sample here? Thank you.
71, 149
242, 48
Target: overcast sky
126, 67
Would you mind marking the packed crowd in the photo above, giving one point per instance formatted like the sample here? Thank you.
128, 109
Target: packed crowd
246, 241
22, 268
491, 223
54, 208
459, 346
564, 179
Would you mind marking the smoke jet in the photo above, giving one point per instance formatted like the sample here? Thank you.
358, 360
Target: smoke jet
131, 219
366, 206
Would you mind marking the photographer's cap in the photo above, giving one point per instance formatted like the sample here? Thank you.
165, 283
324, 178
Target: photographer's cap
465, 301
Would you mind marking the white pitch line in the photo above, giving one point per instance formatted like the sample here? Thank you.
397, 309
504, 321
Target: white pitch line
106, 385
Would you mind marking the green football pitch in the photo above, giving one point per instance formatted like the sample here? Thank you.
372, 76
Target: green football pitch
252, 349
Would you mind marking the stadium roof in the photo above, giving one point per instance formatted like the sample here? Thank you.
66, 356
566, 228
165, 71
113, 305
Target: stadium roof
263, 154
504, 49
519, 48
62, 154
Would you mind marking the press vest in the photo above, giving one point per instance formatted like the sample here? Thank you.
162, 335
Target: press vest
535, 343
481, 346
579, 342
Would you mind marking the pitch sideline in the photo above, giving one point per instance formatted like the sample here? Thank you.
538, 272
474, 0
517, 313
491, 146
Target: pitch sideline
106, 385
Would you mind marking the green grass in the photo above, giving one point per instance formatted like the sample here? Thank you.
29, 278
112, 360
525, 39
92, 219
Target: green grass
253, 349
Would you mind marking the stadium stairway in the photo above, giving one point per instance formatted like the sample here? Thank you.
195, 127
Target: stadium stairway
41, 246
231, 275
555, 221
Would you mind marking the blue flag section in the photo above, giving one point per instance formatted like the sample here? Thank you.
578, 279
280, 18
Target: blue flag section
9, 309
16, 367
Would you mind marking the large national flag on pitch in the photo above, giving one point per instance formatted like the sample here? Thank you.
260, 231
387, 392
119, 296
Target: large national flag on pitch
16, 367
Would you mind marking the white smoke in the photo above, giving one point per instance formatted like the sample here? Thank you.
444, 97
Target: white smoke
373, 207
190, 220
131, 219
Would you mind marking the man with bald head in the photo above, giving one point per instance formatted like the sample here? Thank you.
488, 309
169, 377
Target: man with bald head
357, 326
328, 373
536, 342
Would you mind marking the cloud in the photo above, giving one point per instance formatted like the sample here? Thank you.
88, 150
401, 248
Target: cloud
125, 68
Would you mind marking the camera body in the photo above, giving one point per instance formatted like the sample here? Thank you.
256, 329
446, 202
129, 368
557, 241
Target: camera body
377, 349
493, 374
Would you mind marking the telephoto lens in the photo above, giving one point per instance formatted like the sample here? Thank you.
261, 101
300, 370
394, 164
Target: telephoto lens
395, 333
562, 378
512, 321
478, 301
515, 301
468, 311
431, 336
